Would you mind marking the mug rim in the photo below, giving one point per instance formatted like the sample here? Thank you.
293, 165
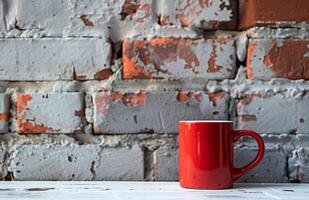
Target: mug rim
205, 121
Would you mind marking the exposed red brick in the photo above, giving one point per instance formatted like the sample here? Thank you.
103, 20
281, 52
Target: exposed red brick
156, 51
103, 74
22, 102
133, 100
204, 3
192, 13
224, 25
266, 12
248, 99
25, 125
267, 61
130, 68
79, 77
289, 60
31, 127
164, 21
184, 20
129, 99
146, 9
80, 113
4, 117
86, 20
212, 66
214, 96
102, 103
129, 8
251, 48
184, 97
186, 53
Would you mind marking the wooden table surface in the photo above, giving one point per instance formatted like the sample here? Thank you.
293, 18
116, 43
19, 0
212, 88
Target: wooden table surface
146, 191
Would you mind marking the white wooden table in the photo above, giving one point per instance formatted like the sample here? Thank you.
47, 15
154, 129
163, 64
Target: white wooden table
146, 190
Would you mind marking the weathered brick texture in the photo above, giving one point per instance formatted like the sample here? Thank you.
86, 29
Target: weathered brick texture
157, 112
94, 89
211, 14
4, 112
3, 154
2, 23
54, 59
271, 169
299, 165
76, 162
50, 113
121, 164
54, 162
76, 18
166, 164
282, 58
179, 58
269, 13
90, 18
273, 114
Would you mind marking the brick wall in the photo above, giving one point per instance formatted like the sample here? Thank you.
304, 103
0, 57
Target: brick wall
93, 89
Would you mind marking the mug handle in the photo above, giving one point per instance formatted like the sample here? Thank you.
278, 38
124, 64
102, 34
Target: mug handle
238, 172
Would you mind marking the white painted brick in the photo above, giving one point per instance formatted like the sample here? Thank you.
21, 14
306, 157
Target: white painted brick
57, 17
82, 17
211, 14
166, 164
299, 165
172, 58
154, 111
53, 59
121, 164
2, 22
278, 58
54, 162
273, 114
271, 169
3, 154
4, 112
43, 14
50, 113
132, 19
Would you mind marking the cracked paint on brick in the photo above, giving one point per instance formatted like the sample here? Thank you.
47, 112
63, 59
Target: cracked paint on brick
155, 111
184, 97
215, 96
209, 14
28, 125
282, 58
46, 113
162, 58
86, 20
272, 13
4, 112
288, 60
103, 74
140, 11
274, 113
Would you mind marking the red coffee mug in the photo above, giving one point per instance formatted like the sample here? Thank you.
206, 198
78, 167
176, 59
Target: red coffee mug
206, 154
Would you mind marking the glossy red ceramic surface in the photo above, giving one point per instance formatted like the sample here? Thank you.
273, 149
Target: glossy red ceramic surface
206, 154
